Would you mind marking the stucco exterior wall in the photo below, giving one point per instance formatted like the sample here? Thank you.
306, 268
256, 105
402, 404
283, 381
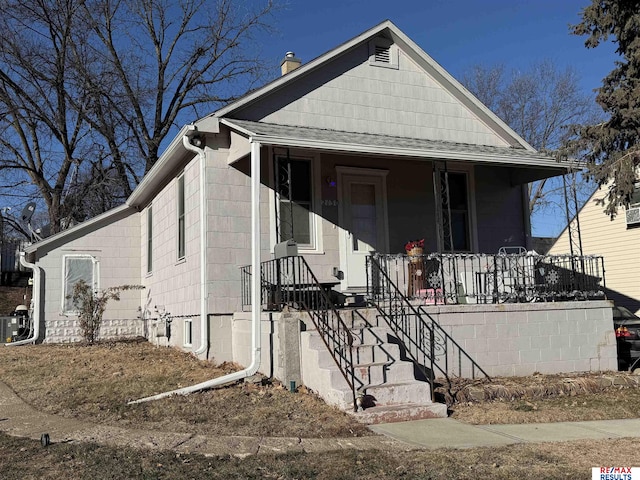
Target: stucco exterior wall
116, 247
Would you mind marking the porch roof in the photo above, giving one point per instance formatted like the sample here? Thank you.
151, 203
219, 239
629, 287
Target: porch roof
366, 143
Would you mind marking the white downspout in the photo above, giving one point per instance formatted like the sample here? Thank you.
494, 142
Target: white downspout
204, 298
255, 294
35, 321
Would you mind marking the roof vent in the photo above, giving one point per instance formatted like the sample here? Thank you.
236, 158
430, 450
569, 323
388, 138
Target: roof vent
383, 53
289, 63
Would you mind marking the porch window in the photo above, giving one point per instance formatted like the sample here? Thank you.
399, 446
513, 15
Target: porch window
459, 213
74, 269
181, 218
294, 200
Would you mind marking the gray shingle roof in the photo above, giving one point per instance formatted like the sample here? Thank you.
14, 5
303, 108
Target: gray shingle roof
279, 134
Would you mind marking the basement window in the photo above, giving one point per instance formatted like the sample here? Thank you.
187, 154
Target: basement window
188, 333
383, 53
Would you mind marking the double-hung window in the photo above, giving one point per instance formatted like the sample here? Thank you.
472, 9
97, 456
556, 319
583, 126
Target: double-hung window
294, 197
181, 218
150, 239
455, 211
76, 268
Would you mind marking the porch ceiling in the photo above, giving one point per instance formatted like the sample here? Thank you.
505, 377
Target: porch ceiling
365, 143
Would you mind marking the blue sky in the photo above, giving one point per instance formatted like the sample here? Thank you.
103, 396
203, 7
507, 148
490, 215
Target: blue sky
457, 34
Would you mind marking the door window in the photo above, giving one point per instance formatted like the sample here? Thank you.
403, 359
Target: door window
363, 217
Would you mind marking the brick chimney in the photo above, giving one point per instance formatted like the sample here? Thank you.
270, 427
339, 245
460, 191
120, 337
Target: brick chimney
289, 63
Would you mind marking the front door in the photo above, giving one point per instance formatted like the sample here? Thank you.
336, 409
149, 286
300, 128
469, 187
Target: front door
362, 222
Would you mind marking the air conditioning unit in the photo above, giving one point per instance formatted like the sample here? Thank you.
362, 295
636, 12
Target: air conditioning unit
8, 328
633, 216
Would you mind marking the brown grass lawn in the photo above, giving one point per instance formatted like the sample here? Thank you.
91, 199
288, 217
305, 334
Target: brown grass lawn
22, 459
95, 382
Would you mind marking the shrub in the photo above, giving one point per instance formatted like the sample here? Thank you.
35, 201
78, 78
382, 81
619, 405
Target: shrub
92, 304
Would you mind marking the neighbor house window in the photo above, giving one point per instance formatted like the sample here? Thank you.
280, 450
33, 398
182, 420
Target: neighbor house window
76, 268
635, 196
633, 210
294, 198
188, 333
181, 218
150, 239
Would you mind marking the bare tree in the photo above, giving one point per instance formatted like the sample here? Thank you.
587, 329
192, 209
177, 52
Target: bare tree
540, 104
89, 89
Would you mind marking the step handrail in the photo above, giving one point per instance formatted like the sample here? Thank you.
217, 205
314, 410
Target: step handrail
395, 304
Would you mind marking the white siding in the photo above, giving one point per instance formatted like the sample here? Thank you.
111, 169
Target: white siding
350, 94
173, 284
116, 247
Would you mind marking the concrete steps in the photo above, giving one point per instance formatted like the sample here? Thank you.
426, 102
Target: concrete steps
386, 385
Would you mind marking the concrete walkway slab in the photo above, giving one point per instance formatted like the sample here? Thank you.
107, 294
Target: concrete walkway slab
546, 432
624, 428
442, 433
439, 433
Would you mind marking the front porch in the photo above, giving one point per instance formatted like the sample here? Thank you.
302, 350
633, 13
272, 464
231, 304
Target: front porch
450, 315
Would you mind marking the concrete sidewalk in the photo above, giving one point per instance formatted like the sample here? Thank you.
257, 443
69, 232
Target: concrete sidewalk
449, 433
19, 419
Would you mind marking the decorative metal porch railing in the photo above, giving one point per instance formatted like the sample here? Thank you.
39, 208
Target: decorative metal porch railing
431, 348
440, 278
289, 281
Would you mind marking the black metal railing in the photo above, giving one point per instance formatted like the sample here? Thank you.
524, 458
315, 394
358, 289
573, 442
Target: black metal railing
439, 278
290, 282
431, 348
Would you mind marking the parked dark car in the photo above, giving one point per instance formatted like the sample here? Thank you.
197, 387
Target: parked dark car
627, 328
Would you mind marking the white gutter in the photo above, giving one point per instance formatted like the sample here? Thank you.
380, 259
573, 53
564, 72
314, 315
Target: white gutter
255, 295
204, 297
35, 321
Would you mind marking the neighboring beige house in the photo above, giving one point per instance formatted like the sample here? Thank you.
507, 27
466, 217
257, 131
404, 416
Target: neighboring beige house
617, 240
361, 150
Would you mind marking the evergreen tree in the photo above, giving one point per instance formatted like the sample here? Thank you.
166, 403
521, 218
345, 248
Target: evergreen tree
612, 148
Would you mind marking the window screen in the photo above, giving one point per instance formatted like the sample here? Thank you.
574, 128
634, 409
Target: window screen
76, 268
